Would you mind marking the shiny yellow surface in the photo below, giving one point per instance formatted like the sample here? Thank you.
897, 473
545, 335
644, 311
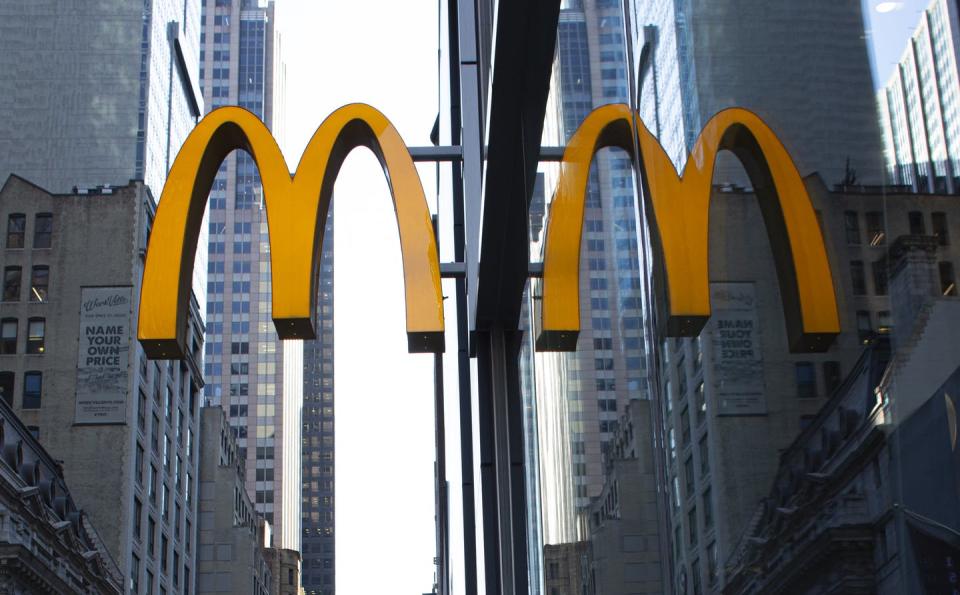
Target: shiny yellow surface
681, 210
296, 214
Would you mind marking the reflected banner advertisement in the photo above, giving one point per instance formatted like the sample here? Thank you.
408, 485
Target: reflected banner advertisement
103, 355
737, 359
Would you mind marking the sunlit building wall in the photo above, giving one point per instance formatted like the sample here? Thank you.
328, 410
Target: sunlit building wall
920, 105
255, 377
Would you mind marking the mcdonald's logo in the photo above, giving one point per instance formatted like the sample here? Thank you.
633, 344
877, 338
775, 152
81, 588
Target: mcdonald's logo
296, 209
680, 210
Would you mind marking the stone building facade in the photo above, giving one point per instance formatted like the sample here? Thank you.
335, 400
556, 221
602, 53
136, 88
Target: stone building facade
233, 538
47, 544
72, 371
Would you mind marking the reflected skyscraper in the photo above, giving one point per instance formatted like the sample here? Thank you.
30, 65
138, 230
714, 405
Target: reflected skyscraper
248, 370
318, 432
803, 68
920, 105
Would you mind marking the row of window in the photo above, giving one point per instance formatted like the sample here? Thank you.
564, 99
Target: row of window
32, 388
858, 278
9, 331
876, 236
39, 283
17, 228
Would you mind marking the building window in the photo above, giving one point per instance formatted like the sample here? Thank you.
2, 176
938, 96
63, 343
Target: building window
39, 283
685, 426
32, 388
917, 228
11, 284
857, 278
36, 331
701, 401
806, 380
6, 387
704, 457
851, 225
948, 283
137, 518
831, 375
42, 230
692, 526
707, 508
134, 575
864, 325
875, 230
688, 476
16, 225
940, 229
151, 537
879, 277
8, 336
138, 464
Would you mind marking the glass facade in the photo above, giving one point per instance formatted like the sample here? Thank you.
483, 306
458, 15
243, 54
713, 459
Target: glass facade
317, 454
663, 458
920, 107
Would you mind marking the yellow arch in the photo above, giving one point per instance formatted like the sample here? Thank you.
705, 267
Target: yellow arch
296, 215
680, 210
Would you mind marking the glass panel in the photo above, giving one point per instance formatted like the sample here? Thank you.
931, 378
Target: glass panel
11, 284
39, 283
16, 225
43, 230
35, 335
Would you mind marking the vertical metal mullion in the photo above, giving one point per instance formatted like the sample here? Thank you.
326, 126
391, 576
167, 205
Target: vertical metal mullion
463, 355
488, 464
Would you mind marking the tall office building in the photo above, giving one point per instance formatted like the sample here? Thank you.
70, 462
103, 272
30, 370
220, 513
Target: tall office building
317, 553
98, 93
803, 68
920, 105
608, 368
125, 428
255, 377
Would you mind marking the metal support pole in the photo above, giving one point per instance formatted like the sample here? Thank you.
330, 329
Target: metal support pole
502, 463
463, 355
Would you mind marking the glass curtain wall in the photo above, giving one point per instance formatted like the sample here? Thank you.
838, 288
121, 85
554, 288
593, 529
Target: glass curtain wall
740, 450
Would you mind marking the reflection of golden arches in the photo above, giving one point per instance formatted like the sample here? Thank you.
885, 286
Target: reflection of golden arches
680, 208
296, 215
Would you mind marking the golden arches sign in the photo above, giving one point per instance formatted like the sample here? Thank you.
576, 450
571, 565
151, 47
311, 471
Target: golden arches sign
297, 210
296, 215
680, 208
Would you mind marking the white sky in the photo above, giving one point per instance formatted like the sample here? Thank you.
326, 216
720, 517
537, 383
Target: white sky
383, 53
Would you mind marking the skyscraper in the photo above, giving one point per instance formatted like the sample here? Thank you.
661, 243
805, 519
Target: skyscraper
98, 94
318, 549
803, 68
920, 105
608, 367
255, 377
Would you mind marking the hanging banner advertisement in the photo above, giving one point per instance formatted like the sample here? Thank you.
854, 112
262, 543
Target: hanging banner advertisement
103, 355
737, 360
